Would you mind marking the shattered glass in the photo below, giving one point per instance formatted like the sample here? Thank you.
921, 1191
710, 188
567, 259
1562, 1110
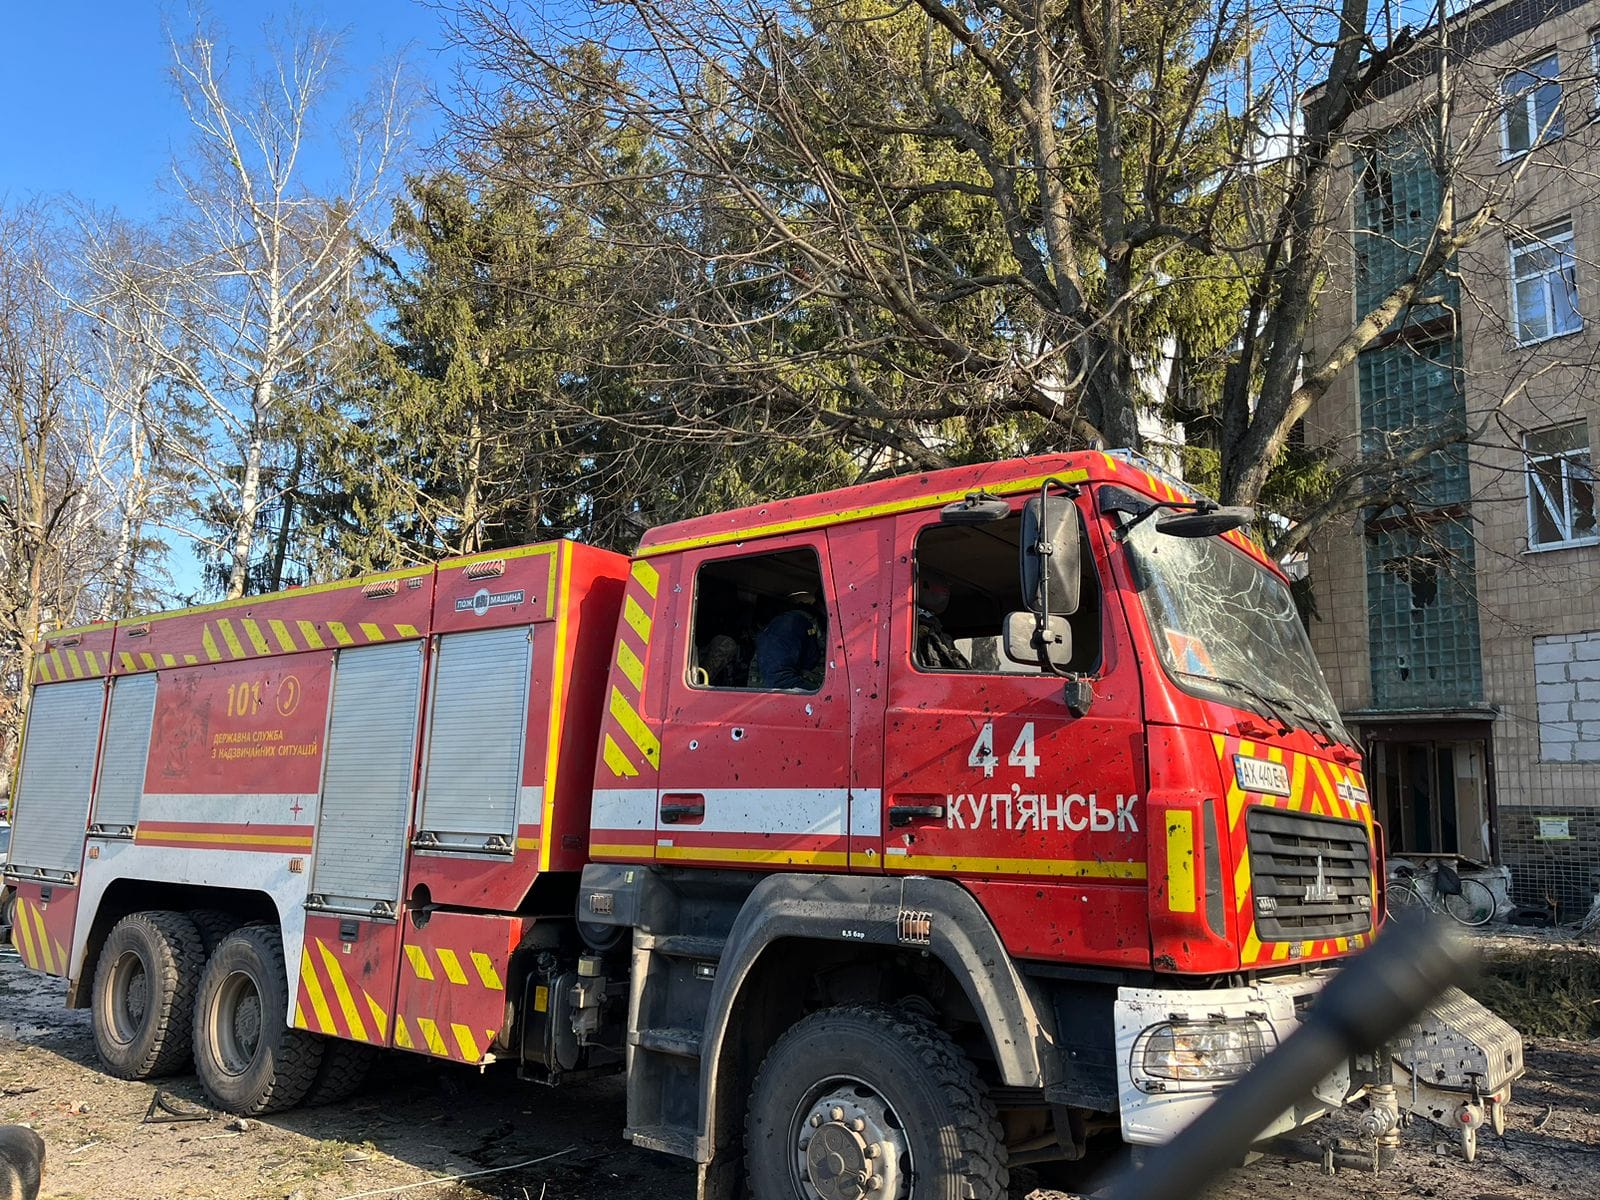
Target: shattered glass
1227, 629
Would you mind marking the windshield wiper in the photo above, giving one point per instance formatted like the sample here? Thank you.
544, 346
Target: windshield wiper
1261, 698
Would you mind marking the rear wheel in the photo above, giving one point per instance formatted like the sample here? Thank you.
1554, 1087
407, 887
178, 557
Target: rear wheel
343, 1071
1404, 898
144, 990
858, 1103
214, 925
249, 1060
1474, 906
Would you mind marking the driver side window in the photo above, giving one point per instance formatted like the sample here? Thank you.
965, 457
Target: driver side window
968, 580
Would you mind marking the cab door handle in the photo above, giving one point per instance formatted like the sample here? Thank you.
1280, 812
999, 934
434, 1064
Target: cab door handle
904, 814
682, 808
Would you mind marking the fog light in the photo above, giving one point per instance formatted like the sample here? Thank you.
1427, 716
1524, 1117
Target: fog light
1202, 1052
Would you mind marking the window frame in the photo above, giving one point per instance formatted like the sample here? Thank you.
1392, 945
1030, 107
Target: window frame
1529, 459
1088, 557
691, 647
1527, 100
1544, 238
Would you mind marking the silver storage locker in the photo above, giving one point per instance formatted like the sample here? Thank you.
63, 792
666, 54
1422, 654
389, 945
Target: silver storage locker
366, 782
52, 801
477, 725
124, 755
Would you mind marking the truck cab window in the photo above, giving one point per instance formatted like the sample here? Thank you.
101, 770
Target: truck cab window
760, 623
968, 579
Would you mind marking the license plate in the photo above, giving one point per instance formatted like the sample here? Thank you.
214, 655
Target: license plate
1259, 775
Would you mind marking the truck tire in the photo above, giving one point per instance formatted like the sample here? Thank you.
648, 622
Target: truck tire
344, 1069
144, 990
214, 925
249, 1060
860, 1089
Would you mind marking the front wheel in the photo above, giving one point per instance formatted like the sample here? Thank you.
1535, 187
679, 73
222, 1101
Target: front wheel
857, 1103
248, 1059
1474, 906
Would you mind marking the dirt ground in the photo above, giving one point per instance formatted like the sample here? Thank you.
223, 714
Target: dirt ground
417, 1122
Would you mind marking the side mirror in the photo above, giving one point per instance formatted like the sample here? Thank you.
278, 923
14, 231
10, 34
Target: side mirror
1204, 522
977, 508
1023, 636
1054, 575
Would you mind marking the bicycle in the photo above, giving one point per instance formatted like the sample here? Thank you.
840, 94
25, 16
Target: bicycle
1465, 901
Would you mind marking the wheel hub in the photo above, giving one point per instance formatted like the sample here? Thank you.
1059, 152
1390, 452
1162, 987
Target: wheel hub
850, 1147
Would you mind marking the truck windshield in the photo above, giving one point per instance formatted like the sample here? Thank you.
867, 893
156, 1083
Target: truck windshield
1227, 629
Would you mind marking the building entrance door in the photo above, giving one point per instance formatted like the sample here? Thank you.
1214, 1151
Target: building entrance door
1432, 795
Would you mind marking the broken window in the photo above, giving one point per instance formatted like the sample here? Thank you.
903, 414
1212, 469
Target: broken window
968, 581
760, 623
1544, 281
1560, 487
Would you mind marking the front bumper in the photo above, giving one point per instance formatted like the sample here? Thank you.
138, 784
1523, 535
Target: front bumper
1458, 1053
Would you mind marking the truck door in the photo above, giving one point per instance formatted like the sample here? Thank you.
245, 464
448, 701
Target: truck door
988, 775
755, 748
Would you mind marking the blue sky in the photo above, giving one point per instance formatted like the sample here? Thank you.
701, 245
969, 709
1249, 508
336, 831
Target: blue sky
87, 106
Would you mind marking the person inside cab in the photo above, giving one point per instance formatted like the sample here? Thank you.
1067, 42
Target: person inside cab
790, 648
936, 650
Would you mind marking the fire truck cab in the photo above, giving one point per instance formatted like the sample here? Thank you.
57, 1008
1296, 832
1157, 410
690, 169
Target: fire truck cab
906, 832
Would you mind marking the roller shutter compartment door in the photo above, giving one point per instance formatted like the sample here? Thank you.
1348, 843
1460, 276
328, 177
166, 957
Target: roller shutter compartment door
124, 756
52, 804
366, 783
477, 728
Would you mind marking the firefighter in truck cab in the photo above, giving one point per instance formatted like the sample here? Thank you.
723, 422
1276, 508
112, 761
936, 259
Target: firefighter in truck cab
884, 839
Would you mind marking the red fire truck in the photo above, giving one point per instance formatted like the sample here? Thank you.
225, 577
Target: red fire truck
897, 833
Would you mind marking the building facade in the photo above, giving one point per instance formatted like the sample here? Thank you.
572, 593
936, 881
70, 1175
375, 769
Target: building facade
1458, 616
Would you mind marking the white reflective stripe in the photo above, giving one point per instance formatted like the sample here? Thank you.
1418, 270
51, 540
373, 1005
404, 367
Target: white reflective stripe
623, 808
530, 806
770, 810
866, 812
230, 808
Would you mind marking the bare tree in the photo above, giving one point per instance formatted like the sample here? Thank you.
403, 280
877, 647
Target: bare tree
259, 253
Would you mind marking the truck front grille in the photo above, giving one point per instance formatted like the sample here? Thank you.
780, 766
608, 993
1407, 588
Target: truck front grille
1311, 875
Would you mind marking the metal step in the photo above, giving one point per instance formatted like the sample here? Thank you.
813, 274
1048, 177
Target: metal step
682, 945
681, 1043
669, 1139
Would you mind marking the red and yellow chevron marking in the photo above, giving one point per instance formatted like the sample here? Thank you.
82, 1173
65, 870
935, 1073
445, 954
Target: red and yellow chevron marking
231, 638
629, 745
202, 835
63, 656
460, 989
37, 949
327, 1002
1313, 788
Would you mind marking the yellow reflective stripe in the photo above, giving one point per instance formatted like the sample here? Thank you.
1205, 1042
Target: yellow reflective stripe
486, 971
58, 664
419, 963
168, 660
300, 1017
373, 633
451, 965
319, 1002
633, 725
347, 1003
209, 644
841, 516
257, 639
41, 669
647, 577
818, 858
308, 630
75, 664
430, 1034
379, 1017
127, 661
149, 660
638, 620
340, 633
1241, 882
22, 936
630, 664
285, 639
1180, 860
406, 631
1252, 946
45, 954
229, 637
402, 1035
617, 850
619, 762
466, 1043
1071, 868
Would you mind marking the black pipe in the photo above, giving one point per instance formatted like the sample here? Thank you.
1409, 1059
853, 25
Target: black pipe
1381, 992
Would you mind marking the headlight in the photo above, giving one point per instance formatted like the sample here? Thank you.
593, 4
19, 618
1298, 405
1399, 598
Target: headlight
1200, 1052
